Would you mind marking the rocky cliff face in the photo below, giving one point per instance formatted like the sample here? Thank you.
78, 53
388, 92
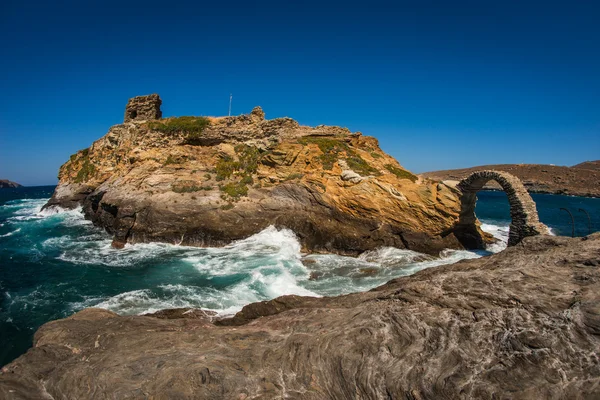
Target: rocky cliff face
522, 324
209, 181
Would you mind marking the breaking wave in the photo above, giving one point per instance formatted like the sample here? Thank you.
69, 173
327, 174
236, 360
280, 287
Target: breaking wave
145, 278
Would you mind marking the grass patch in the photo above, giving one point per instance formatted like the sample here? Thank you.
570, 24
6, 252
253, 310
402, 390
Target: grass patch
191, 127
358, 164
401, 173
375, 155
227, 206
234, 190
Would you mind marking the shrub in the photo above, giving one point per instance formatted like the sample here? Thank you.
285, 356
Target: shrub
401, 173
358, 164
375, 154
225, 167
248, 158
234, 190
328, 146
227, 206
247, 164
247, 180
191, 127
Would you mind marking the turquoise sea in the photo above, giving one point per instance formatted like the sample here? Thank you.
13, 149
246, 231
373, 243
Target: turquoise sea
53, 264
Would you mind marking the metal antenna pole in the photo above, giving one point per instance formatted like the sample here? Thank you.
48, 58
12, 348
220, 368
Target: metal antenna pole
230, 97
572, 222
589, 220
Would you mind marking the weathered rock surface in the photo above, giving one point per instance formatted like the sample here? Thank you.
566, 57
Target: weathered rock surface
578, 180
143, 108
5, 183
521, 324
155, 181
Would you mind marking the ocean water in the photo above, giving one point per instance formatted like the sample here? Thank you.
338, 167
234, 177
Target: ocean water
53, 264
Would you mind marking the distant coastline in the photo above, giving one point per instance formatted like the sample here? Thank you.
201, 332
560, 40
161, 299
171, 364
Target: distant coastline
5, 183
579, 180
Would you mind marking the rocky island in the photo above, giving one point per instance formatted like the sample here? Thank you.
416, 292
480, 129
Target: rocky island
521, 324
207, 181
5, 183
579, 180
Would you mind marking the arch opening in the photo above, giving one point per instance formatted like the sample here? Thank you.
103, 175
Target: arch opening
523, 212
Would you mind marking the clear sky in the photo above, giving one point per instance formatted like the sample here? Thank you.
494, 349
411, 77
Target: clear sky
442, 85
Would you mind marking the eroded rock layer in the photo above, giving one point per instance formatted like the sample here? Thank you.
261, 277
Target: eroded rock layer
209, 181
521, 324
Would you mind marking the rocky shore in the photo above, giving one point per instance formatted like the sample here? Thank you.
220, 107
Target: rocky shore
521, 324
578, 180
5, 183
209, 181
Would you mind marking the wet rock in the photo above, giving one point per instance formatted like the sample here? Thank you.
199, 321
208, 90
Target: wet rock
521, 324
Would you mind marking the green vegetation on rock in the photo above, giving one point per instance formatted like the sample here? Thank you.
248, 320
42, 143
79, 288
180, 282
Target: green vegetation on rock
401, 173
225, 167
234, 190
170, 160
328, 146
189, 188
359, 165
86, 171
248, 156
190, 127
293, 176
247, 163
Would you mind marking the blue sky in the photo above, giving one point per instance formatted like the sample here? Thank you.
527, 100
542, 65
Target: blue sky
440, 84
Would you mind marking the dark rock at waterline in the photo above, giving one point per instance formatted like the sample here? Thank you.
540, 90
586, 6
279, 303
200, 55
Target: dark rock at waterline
521, 324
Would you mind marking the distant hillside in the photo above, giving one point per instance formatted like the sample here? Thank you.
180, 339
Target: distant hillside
5, 183
594, 165
580, 180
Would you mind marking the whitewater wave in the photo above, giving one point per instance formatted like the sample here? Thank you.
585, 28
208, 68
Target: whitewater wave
261, 267
500, 232
11, 233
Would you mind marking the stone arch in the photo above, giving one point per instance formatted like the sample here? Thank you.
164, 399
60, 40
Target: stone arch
524, 217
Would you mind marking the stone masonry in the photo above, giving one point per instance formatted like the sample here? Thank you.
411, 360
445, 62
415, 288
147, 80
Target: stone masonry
143, 108
524, 216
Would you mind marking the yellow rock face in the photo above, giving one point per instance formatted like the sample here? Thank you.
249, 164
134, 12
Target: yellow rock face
160, 180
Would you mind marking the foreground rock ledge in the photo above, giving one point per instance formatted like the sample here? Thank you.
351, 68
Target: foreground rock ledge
524, 323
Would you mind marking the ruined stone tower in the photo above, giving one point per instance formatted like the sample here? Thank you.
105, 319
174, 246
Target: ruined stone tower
143, 108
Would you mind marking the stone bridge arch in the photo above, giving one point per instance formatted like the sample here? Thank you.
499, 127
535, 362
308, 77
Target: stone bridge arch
523, 212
